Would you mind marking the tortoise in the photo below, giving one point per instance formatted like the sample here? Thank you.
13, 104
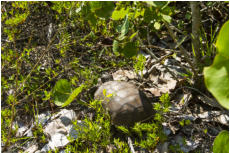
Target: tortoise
124, 102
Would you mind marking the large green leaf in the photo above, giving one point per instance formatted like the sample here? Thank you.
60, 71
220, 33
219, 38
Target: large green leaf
130, 49
102, 9
63, 94
61, 91
222, 42
217, 75
73, 95
221, 143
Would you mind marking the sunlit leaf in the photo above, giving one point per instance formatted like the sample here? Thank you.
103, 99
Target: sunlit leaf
61, 91
221, 143
133, 35
222, 43
119, 14
166, 18
73, 95
217, 75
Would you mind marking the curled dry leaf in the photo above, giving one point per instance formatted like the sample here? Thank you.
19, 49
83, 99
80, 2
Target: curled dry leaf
124, 75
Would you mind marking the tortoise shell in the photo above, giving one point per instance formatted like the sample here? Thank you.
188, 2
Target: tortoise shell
124, 102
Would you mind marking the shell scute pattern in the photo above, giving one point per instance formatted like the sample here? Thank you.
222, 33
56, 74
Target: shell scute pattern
127, 104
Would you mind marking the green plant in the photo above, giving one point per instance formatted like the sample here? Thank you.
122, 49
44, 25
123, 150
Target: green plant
93, 134
84, 40
221, 143
6, 123
184, 122
149, 134
162, 107
63, 94
121, 145
217, 75
38, 133
217, 82
139, 65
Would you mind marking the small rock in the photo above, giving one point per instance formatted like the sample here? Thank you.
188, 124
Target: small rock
43, 118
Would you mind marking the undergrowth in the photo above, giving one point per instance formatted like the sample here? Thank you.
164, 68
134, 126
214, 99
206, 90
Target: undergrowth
97, 134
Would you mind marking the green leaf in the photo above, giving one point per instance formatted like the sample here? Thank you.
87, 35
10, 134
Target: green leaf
149, 15
130, 49
124, 28
102, 9
120, 14
139, 13
61, 91
19, 18
133, 35
92, 19
217, 75
222, 43
118, 28
123, 129
166, 18
73, 95
161, 4
221, 142
95, 5
157, 25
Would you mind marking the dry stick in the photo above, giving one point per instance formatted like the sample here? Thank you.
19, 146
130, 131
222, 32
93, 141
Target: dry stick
182, 50
152, 68
164, 57
156, 60
163, 49
131, 145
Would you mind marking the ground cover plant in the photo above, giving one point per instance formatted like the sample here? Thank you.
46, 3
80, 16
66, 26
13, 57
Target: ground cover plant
54, 55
